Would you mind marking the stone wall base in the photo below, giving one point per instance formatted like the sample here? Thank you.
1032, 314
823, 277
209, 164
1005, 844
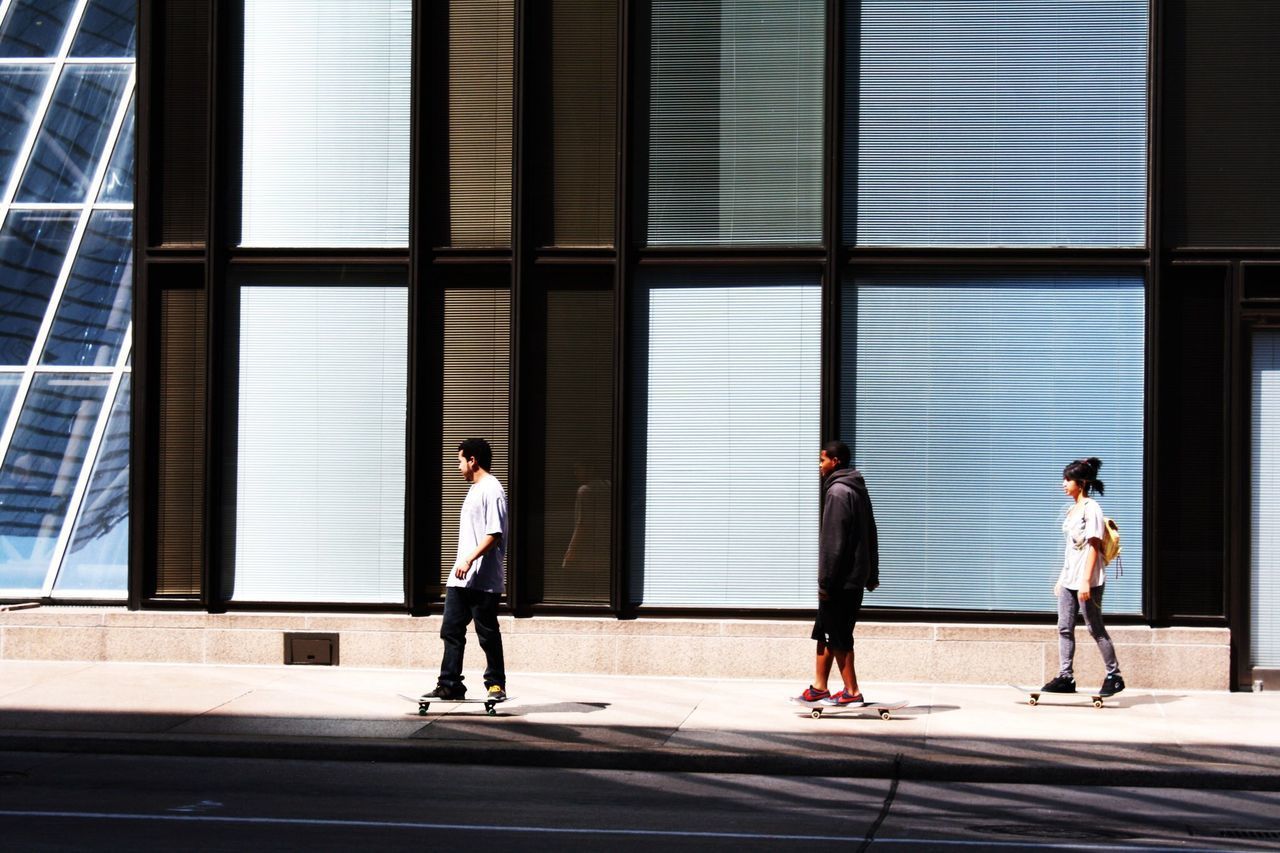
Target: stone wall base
1172, 658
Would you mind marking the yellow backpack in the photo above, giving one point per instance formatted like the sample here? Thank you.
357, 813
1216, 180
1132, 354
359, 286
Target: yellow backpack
1111, 543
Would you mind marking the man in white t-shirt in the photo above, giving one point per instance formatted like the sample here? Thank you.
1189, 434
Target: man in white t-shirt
477, 580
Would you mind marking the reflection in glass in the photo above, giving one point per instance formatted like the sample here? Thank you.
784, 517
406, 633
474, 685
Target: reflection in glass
40, 472
9, 383
117, 183
94, 313
33, 244
20, 90
98, 558
74, 134
108, 29
35, 27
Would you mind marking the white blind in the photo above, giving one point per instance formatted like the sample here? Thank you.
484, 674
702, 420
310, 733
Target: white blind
729, 514
1264, 568
988, 123
964, 395
326, 123
735, 122
320, 468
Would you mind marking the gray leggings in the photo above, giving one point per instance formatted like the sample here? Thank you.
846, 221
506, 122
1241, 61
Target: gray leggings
1092, 609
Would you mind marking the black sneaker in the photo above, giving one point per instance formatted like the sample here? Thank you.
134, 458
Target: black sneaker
1061, 684
1112, 684
496, 693
449, 693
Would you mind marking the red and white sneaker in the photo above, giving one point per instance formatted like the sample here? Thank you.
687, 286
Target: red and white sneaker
811, 694
844, 698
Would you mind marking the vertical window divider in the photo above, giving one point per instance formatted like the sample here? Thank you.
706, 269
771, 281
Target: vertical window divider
522, 56
833, 91
623, 234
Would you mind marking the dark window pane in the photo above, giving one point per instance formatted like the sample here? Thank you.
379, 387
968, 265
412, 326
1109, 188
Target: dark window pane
40, 472
117, 184
95, 309
9, 383
74, 134
109, 28
35, 27
20, 90
33, 245
98, 558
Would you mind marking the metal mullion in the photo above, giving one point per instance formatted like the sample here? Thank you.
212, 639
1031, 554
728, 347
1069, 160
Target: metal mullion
90, 461
4, 9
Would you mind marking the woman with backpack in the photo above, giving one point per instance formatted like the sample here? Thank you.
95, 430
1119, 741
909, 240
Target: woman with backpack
1083, 578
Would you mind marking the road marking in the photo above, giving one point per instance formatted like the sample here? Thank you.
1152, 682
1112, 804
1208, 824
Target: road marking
555, 830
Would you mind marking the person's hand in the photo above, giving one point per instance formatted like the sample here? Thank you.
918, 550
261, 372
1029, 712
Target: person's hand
1084, 593
1057, 590
461, 568
822, 594
872, 586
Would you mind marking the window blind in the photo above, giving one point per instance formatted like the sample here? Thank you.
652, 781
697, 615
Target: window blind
584, 79
735, 122
987, 123
963, 397
577, 499
1264, 477
320, 468
477, 398
481, 113
728, 514
182, 95
325, 148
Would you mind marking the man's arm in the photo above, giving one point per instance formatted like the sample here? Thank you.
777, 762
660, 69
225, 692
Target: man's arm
487, 544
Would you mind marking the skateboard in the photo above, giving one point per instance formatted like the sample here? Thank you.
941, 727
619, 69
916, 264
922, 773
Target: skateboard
1034, 694
425, 702
817, 709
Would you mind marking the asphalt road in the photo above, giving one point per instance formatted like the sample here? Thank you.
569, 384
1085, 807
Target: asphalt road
92, 802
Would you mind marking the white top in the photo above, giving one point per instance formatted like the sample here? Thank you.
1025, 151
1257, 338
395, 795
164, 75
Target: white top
484, 512
1083, 522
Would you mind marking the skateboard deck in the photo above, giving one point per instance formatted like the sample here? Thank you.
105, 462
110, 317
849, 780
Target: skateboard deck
883, 709
1034, 694
425, 702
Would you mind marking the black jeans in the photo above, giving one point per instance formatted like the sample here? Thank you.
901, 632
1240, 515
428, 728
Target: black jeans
461, 605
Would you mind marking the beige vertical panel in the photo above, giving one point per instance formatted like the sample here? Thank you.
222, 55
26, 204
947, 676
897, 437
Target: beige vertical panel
584, 106
481, 43
578, 496
181, 470
477, 395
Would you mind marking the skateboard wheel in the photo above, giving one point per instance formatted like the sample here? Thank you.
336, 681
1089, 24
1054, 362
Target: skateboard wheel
884, 715
1097, 703
816, 713
1033, 701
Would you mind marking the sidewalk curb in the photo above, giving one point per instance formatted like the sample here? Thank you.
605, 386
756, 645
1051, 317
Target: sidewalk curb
890, 765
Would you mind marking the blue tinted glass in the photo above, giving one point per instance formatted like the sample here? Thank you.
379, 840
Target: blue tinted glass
98, 558
94, 312
32, 247
40, 472
108, 29
117, 184
9, 383
74, 134
20, 89
35, 27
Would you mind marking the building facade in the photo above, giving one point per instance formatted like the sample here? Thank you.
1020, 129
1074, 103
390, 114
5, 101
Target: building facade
655, 252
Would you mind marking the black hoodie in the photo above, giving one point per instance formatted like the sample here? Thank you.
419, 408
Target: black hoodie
848, 547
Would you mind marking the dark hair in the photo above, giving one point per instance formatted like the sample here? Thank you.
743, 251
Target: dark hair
479, 450
1085, 472
838, 451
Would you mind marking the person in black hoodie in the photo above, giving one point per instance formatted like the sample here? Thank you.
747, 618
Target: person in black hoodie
848, 565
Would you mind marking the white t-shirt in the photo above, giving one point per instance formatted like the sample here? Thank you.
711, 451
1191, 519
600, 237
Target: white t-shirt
1083, 522
484, 512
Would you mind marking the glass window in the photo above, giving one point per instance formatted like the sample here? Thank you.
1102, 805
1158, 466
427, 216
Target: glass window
731, 371
97, 559
1264, 500
94, 313
320, 466
963, 396
20, 89
74, 134
735, 122
35, 27
9, 383
577, 502
117, 184
107, 29
325, 157
481, 103
40, 472
33, 248
477, 396
987, 123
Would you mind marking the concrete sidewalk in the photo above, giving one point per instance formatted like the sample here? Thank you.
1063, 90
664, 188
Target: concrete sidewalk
947, 732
